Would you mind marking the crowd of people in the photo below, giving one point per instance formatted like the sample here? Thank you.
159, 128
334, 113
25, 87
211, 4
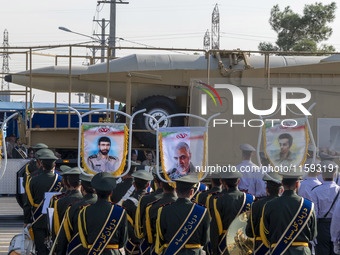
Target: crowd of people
105, 215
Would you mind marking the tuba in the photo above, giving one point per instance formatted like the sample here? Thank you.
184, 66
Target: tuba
237, 241
22, 244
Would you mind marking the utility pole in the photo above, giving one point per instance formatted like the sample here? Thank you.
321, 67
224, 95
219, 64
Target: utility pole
5, 68
215, 29
112, 34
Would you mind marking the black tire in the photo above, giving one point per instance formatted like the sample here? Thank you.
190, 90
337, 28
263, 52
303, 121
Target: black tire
156, 106
119, 117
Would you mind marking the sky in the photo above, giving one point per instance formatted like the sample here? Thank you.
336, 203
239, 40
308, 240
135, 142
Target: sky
157, 23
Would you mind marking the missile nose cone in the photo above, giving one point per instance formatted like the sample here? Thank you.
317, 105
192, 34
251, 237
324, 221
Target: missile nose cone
8, 78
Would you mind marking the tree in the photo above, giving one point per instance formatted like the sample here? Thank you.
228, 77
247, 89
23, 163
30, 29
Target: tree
301, 32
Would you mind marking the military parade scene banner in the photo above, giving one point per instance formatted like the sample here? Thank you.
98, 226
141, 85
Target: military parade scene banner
182, 151
286, 143
104, 147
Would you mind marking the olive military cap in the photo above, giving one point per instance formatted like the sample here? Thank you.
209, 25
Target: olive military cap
269, 176
39, 146
189, 178
72, 171
103, 181
46, 154
143, 175
229, 173
85, 178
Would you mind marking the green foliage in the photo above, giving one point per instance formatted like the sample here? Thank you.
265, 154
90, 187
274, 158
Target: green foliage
301, 32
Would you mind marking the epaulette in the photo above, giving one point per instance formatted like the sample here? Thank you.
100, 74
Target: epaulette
112, 157
214, 193
162, 205
59, 196
93, 156
151, 203
70, 204
220, 195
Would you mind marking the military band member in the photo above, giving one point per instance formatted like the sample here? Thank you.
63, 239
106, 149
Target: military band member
149, 224
182, 226
324, 197
145, 200
140, 182
216, 187
288, 222
47, 181
69, 230
71, 178
273, 187
102, 161
226, 207
103, 217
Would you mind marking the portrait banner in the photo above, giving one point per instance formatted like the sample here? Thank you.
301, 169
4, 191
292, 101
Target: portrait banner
286, 143
183, 151
329, 136
104, 147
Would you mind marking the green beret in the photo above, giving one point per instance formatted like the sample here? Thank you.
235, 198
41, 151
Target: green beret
45, 154
72, 171
39, 146
85, 178
104, 182
143, 175
273, 175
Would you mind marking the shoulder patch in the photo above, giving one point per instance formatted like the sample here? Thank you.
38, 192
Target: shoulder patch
93, 156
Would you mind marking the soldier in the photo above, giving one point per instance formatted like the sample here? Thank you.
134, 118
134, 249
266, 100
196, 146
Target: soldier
335, 228
60, 206
69, 230
140, 182
149, 160
311, 181
324, 198
47, 181
124, 187
246, 167
273, 188
216, 187
102, 161
288, 222
182, 226
102, 217
149, 224
227, 207
145, 200
257, 185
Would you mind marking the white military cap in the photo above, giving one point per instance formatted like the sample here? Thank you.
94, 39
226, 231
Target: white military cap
247, 147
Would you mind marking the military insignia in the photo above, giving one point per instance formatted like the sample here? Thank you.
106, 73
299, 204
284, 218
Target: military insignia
93, 156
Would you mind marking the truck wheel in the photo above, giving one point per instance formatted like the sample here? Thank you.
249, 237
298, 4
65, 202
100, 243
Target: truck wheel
156, 106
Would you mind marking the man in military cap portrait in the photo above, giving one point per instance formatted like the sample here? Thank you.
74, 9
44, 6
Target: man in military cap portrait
285, 157
102, 217
325, 197
182, 226
102, 161
183, 164
288, 222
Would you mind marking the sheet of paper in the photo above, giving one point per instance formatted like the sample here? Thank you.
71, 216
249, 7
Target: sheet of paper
48, 196
50, 216
21, 185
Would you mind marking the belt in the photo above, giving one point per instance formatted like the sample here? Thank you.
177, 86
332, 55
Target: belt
188, 246
293, 244
109, 246
324, 220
